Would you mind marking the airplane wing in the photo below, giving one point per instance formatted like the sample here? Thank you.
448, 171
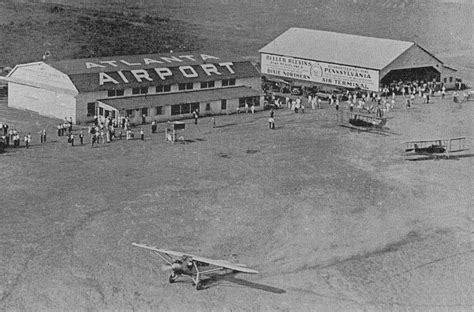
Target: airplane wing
218, 263
171, 253
226, 265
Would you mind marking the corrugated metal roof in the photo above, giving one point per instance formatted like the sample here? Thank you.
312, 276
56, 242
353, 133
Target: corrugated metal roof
90, 82
163, 99
332, 47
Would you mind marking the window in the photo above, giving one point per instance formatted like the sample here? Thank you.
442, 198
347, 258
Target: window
445, 79
242, 102
194, 107
175, 109
158, 110
144, 111
185, 108
208, 106
223, 104
185, 86
129, 112
255, 100
207, 84
228, 82
165, 88
90, 109
450, 79
101, 111
140, 90
112, 93
180, 109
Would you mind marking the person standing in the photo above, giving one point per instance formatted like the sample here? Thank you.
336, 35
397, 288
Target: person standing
443, 91
252, 109
153, 126
27, 140
196, 116
271, 123
142, 134
81, 137
246, 107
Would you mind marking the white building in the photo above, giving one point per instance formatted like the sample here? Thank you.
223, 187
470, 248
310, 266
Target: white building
158, 86
349, 61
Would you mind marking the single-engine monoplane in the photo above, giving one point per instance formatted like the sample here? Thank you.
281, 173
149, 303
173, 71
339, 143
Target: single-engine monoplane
440, 148
183, 264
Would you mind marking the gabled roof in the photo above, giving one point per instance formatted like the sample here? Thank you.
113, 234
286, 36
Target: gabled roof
332, 47
162, 99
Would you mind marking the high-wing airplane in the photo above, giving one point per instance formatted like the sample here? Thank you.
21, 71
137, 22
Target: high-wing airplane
190, 265
436, 148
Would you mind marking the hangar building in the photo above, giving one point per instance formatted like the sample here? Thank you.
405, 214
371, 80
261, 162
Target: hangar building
314, 57
158, 86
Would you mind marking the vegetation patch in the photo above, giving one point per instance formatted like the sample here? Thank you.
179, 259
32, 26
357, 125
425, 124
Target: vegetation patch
68, 32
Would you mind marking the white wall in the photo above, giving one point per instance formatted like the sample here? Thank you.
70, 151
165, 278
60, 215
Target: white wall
45, 102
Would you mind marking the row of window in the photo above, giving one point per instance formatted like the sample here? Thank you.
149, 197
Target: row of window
177, 109
167, 88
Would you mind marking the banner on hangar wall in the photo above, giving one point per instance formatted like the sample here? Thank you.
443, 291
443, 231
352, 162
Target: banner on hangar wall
320, 72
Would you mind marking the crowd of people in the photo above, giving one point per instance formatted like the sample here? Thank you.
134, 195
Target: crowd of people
11, 137
106, 129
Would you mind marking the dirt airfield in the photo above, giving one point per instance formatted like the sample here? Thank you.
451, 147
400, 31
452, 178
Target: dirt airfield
333, 219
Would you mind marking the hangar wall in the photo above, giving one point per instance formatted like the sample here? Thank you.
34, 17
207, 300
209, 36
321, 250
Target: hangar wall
414, 57
45, 102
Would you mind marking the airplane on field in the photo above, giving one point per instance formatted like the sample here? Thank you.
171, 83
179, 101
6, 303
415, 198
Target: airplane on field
364, 122
182, 264
436, 148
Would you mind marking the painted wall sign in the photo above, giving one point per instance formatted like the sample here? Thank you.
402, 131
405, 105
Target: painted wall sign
321, 72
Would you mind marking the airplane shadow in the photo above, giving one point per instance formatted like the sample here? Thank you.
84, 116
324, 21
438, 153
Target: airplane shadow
217, 279
226, 125
451, 157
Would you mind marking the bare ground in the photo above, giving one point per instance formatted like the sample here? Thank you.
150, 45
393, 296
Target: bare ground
333, 219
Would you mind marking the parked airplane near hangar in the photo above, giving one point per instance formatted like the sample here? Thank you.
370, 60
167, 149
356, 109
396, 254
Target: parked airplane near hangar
439, 148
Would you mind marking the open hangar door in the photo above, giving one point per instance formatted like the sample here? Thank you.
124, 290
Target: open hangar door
411, 74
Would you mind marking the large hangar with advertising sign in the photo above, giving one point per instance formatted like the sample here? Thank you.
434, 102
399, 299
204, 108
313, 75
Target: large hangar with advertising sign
314, 57
157, 87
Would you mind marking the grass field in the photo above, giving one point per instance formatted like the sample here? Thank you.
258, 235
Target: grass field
333, 219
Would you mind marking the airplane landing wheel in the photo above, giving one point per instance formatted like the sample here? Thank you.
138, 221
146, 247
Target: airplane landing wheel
199, 286
172, 278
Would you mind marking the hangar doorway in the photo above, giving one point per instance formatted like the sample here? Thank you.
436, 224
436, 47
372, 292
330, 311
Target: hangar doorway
411, 74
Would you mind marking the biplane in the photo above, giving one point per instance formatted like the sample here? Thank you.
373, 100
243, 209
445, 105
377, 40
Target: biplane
436, 148
364, 122
183, 264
